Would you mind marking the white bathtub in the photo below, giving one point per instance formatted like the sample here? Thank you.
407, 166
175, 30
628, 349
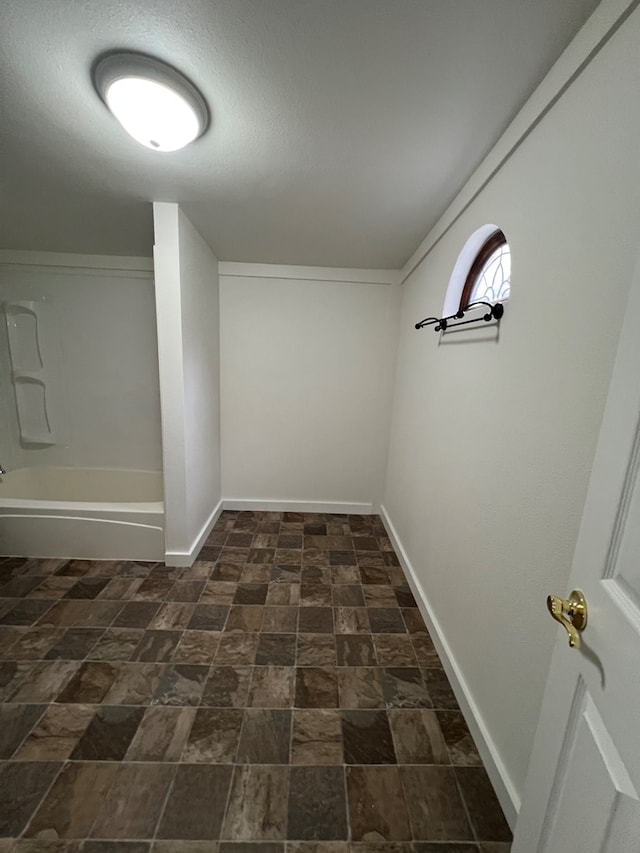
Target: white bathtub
82, 513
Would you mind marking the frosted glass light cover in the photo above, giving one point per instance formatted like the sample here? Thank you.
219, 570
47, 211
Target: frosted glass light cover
154, 114
154, 102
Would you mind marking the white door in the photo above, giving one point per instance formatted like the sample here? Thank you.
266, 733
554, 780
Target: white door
582, 792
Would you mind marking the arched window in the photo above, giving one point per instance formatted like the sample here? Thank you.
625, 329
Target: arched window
489, 277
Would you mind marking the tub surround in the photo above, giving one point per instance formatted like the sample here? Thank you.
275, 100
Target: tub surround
82, 513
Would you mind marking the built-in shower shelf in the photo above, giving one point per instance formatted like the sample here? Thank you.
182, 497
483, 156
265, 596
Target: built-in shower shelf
28, 373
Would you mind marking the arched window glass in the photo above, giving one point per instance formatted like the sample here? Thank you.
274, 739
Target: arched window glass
489, 278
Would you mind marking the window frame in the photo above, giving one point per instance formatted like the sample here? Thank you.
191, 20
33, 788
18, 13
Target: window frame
493, 242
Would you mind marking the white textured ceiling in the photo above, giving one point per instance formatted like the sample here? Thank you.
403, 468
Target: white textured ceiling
341, 128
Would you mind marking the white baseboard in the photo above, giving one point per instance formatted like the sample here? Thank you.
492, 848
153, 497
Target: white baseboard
187, 558
298, 506
500, 779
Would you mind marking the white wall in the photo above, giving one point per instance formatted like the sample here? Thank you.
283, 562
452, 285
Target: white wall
492, 441
307, 368
98, 339
187, 300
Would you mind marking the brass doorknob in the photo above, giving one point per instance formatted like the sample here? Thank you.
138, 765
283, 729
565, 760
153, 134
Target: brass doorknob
575, 620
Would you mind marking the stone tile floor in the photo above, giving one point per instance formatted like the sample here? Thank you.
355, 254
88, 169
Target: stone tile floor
282, 695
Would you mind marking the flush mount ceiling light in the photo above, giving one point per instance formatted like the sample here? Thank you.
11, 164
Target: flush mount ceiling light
152, 101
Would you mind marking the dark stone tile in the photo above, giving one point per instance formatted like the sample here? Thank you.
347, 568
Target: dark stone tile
156, 646
90, 684
236, 648
315, 529
34, 643
462, 749
352, 620
245, 618
75, 643
355, 650
379, 595
257, 806
250, 846
386, 620
276, 649
417, 737
317, 803
347, 595
345, 575
437, 847
136, 684
265, 737
288, 556
45, 680
280, 620
154, 589
197, 647
360, 687
316, 650
285, 574
290, 540
77, 613
287, 594
251, 593
16, 721
495, 847
316, 687
439, 689
365, 543
74, 801
482, 804
317, 574
110, 847
109, 734
404, 596
186, 590
253, 573
372, 575
264, 556
229, 572
385, 847
12, 675
367, 738
218, 592
341, 558
239, 540
390, 558
425, 651
20, 586
180, 684
56, 734
315, 620
196, 803
120, 589
227, 687
272, 687
316, 737
214, 736
315, 595
22, 786
162, 734
394, 650
209, 617
25, 611
403, 687
436, 810
116, 644
136, 614
88, 588
377, 806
